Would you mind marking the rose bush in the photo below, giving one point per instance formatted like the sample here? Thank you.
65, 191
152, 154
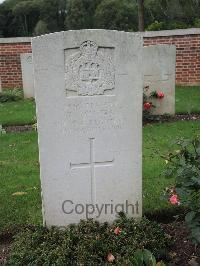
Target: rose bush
147, 102
184, 166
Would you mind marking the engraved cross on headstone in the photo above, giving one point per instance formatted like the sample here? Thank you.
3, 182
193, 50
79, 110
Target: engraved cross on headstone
92, 165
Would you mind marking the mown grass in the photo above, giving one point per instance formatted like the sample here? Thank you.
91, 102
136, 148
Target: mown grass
187, 99
157, 141
17, 113
19, 171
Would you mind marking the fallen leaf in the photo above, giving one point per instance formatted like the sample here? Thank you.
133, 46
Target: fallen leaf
160, 263
20, 193
110, 257
172, 254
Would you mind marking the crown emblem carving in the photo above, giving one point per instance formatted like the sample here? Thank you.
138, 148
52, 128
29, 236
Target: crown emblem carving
88, 48
89, 71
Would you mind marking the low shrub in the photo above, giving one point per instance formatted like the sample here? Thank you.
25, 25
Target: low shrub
155, 26
2, 130
197, 23
184, 166
167, 25
175, 24
11, 95
148, 105
89, 243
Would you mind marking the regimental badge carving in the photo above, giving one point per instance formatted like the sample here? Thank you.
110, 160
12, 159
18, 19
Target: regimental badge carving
89, 71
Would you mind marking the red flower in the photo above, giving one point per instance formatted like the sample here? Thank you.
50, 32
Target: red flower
174, 199
160, 94
147, 105
117, 230
110, 257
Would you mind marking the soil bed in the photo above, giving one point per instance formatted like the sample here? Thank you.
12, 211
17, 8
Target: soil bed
5, 246
183, 251
13, 129
167, 118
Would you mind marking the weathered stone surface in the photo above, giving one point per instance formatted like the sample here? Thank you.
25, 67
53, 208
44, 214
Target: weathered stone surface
27, 75
89, 107
159, 74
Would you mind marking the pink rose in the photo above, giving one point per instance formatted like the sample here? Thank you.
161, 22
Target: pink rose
160, 94
147, 105
117, 230
174, 199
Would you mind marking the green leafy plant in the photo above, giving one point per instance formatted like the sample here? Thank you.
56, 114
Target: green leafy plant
155, 26
90, 243
10, 96
184, 166
34, 126
174, 24
147, 102
142, 257
2, 130
197, 23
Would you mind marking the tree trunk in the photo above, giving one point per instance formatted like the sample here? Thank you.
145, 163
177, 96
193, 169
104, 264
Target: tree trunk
141, 15
26, 26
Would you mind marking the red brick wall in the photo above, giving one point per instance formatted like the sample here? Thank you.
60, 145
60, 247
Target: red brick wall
10, 63
187, 56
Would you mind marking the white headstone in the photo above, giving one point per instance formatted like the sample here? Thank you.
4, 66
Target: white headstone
159, 74
88, 87
27, 75
0, 86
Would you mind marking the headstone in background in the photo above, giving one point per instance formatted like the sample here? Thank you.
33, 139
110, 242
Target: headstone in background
159, 74
88, 87
27, 75
0, 86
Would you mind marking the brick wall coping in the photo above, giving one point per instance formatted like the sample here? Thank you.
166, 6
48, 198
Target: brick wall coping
16, 40
163, 33
146, 34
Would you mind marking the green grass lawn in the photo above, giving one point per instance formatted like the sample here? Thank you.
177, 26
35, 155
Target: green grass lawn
17, 113
187, 99
157, 140
19, 171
